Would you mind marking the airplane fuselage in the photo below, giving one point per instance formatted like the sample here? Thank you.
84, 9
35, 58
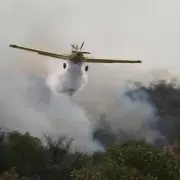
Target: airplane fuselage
75, 77
77, 58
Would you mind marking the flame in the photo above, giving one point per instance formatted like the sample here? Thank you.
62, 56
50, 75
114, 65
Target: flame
171, 147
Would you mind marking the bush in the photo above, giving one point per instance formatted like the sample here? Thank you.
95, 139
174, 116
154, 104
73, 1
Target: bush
134, 160
12, 175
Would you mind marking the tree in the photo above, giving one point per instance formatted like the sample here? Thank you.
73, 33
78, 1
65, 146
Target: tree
26, 153
3, 152
133, 160
12, 175
58, 147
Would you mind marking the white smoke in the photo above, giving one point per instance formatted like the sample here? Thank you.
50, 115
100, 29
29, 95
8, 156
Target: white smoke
135, 116
28, 105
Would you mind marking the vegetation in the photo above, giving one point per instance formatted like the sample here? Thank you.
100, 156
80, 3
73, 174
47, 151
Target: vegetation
23, 156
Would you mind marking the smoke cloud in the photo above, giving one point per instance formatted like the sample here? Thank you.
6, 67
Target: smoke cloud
131, 30
28, 105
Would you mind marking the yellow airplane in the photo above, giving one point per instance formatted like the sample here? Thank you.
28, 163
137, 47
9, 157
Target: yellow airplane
76, 56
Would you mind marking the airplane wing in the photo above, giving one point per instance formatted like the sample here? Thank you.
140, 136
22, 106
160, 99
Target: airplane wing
94, 60
44, 53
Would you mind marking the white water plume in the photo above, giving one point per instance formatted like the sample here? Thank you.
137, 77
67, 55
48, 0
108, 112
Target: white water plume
69, 82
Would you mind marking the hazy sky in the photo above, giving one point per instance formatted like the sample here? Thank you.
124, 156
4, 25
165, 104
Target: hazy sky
141, 29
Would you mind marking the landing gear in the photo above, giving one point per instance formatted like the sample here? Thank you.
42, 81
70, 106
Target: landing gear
86, 68
64, 65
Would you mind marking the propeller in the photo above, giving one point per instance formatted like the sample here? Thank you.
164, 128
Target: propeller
82, 45
75, 47
79, 49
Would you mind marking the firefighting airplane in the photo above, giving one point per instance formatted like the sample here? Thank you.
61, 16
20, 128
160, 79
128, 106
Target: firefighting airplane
74, 78
76, 56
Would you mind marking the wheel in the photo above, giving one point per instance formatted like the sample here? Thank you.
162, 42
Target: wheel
86, 68
64, 65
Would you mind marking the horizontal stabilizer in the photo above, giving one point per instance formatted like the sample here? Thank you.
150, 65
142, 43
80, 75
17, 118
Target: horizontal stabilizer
82, 52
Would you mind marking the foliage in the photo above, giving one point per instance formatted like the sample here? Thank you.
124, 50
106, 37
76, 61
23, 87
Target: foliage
12, 175
165, 96
32, 158
26, 153
134, 160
